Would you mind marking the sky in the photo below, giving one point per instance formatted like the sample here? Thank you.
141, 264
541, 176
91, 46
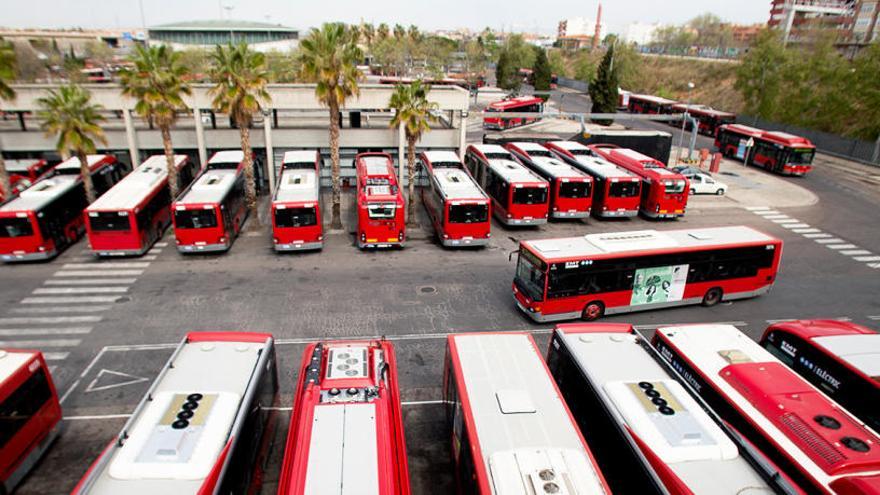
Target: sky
511, 15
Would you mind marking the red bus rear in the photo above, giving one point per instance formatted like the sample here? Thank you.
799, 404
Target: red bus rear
30, 414
650, 104
47, 217
129, 218
381, 220
296, 207
210, 213
664, 192
571, 189
23, 173
521, 104
458, 208
708, 119
519, 196
346, 427
615, 189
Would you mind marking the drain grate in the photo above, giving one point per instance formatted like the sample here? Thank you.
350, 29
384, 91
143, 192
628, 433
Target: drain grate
427, 289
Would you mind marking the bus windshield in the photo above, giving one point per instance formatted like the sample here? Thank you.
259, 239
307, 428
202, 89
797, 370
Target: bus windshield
574, 190
580, 152
546, 153
108, 221
381, 210
530, 195
624, 189
296, 217
468, 213
674, 186
498, 156
15, 227
530, 275
802, 157
195, 219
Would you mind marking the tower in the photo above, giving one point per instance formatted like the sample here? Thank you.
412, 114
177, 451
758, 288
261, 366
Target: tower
598, 31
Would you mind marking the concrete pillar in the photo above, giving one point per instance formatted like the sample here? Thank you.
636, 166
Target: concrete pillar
270, 151
131, 137
200, 137
401, 153
462, 132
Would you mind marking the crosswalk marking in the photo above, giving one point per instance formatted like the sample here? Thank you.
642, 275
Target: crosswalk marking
59, 309
48, 320
810, 230
98, 273
865, 259
795, 225
68, 300
789, 220
855, 252
80, 290
833, 240
757, 208
37, 344
817, 235
12, 332
91, 281
102, 265
840, 246
155, 251
149, 257
160, 244
874, 265
55, 356
775, 217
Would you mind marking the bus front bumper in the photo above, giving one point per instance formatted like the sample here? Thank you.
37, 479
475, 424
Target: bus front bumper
20, 257
661, 215
381, 245
617, 214
543, 318
522, 222
203, 248
299, 246
117, 253
570, 214
483, 241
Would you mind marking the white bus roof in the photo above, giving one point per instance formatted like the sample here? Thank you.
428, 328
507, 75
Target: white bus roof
550, 165
153, 456
520, 419
642, 240
227, 156
72, 163
132, 189
41, 193
300, 156
376, 165
695, 448
455, 183
601, 167
442, 156
22, 165
862, 351
652, 98
11, 361
297, 185
210, 187
569, 145
490, 148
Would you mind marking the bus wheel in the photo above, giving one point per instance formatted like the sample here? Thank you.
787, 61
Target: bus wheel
593, 311
712, 297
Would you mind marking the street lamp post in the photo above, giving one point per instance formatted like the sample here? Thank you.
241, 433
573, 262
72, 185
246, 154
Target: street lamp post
684, 119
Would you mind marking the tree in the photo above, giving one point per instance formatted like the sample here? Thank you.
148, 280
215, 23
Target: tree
867, 90
7, 74
240, 78
399, 32
506, 74
158, 83
69, 113
414, 112
557, 63
383, 32
603, 88
329, 57
541, 72
760, 76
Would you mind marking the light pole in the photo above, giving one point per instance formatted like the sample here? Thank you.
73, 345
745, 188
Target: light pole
684, 119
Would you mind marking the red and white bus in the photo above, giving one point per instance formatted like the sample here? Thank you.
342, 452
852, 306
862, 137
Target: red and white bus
615, 190
519, 196
47, 217
708, 119
204, 426
571, 189
664, 192
520, 104
778, 152
648, 432
623, 99
210, 213
458, 208
840, 358
650, 104
381, 212
818, 444
296, 207
619, 272
23, 173
129, 218
30, 414
346, 428
512, 432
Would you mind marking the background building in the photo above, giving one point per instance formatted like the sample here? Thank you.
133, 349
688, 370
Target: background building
260, 36
791, 15
579, 26
640, 33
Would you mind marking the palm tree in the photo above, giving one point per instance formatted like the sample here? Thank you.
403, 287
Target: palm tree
158, 82
329, 58
399, 32
7, 73
240, 78
383, 32
368, 33
413, 111
69, 113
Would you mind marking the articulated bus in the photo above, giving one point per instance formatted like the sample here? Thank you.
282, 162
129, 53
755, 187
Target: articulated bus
818, 444
520, 104
30, 414
650, 104
381, 212
129, 218
519, 196
47, 217
778, 152
615, 190
649, 434
571, 189
23, 173
664, 192
840, 358
619, 272
458, 208
296, 207
346, 428
512, 433
708, 119
210, 213
204, 426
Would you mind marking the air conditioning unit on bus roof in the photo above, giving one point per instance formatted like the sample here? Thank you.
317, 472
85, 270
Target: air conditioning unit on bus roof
626, 241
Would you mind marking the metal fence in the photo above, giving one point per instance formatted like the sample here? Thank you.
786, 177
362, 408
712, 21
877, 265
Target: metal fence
573, 84
832, 144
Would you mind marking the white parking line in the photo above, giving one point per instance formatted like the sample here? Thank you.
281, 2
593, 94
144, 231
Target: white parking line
855, 252
91, 281
806, 231
80, 290
55, 356
866, 259
818, 235
48, 320
161, 244
834, 240
96, 417
155, 251
102, 265
841, 246
757, 208
13, 332
38, 344
874, 317
60, 309
795, 225
70, 300
149, 257
99, 273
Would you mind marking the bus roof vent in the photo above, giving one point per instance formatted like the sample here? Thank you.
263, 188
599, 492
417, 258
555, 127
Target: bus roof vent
543, 472
631, 241
514, 402
348, 362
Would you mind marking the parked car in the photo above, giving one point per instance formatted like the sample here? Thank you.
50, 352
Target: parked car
689, 171
703, 183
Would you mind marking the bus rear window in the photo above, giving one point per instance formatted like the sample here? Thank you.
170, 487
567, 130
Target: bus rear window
674, 187
195, 219
15, 227
468, 213
574, 190
22, 405
381, 210
624, 189
296, 217
529, 195
111, 221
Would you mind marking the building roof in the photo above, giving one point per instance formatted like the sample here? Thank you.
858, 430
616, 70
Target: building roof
222, 25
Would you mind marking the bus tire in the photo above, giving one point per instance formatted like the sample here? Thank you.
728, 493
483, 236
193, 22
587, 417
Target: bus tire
693, 191
712, 297
593, 311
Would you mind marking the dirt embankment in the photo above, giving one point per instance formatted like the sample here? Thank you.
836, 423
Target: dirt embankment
668, 77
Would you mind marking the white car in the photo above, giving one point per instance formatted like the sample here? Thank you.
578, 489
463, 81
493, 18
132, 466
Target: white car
705, 184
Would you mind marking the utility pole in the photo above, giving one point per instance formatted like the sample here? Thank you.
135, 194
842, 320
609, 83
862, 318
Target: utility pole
875, 158
684, 119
